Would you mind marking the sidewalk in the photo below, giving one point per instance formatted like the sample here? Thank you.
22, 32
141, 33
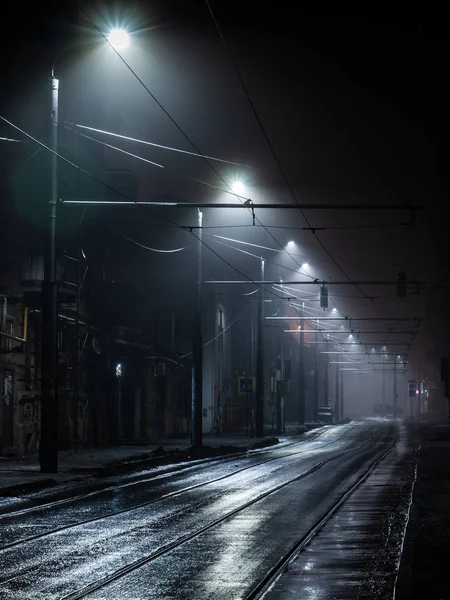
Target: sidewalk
20, 475
424, 563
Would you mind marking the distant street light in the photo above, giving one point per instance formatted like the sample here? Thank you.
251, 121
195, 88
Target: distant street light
119, 39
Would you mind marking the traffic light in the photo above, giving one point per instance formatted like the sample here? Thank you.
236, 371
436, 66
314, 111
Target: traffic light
401, 285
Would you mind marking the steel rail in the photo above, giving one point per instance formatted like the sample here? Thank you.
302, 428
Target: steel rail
168, 471
160, 498
129, 568
282, 565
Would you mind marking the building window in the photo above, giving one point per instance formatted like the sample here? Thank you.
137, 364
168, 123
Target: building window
8, 343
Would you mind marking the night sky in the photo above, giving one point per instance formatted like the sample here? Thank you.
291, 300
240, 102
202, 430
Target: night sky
355, 107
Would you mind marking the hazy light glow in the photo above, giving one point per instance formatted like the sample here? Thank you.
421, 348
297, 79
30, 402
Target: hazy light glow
238, 187
334, 310
118, 38
305, 265
290, 243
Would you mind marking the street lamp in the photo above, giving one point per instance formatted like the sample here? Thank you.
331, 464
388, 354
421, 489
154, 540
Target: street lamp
118, 38
48, 447
238, 187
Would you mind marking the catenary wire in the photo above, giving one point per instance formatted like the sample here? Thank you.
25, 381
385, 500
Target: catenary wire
145, 142
133, 241
118, 192
221, 333
88, 137
272, 150
184, 134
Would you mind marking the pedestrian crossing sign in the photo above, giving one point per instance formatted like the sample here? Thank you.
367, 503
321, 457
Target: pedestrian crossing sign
246, 385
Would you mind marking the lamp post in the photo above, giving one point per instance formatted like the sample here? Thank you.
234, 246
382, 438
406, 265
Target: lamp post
48, 446
259, 413
316, 378
301, 371
337, 405
197, 352
395, 385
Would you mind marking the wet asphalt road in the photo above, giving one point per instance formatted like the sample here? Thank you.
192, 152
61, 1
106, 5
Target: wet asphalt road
210, 531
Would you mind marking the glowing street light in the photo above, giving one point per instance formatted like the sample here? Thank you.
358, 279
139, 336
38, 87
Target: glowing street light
48, 450
238, 187
118, 38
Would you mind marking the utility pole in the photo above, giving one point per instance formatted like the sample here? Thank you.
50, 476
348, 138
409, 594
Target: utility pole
301, 372
326, 383
48, 447
341, 394
395, 386
337, 402
280, 383
197, 351
259, 417
316, 380
249, 407
384, 387
221, 340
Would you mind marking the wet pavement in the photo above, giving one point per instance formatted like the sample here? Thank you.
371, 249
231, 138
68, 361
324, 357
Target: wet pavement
424, 564
356, 554
207, 531
74, 465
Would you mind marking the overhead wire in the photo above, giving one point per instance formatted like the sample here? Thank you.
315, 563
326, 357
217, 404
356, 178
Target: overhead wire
145, 142
174, 122
88, 137
184, 134
122, 194
136, 243
269, 144
221, 332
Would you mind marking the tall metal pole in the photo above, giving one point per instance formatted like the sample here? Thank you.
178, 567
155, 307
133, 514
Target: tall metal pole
341, 394
250, 406
259, 416
197, 352
280, 391
221, 340
384, 387
326, 383
301, 372
48, 447
316, 381
395, 387
337, 402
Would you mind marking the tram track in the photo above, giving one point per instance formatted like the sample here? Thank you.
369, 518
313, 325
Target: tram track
277, 570
97, 585
12, 516
166, 471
